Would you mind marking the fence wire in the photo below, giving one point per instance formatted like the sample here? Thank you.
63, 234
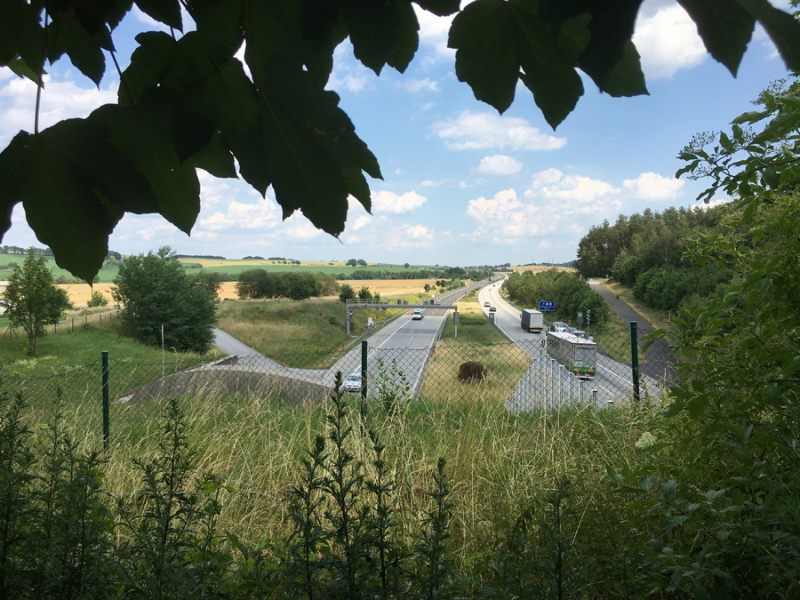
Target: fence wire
522, 376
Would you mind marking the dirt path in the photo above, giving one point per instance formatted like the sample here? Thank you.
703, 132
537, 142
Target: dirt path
659, 360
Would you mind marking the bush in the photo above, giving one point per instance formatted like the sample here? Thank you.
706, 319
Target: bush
97, 299
155, 291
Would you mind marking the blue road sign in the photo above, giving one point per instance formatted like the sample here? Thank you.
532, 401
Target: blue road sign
545, 306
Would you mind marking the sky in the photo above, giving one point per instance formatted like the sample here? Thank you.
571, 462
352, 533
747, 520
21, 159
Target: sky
462, 185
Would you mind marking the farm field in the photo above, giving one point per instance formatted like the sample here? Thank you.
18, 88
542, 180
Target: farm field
387, 288
106, 274
537, 268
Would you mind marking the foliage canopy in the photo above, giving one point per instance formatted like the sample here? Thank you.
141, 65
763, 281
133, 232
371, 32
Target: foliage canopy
186, 102
155, 290
31, 300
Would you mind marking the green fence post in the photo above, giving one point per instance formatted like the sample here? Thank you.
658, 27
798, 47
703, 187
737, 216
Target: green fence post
106, 402
635, 360
364, 384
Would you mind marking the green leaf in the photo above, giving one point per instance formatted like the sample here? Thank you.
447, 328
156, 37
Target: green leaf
154, 56
669, 487
611, 29
274, 26
646, 483
309, 143
724, 26
441, 8
782, 28
375, 30
215, 158
407, 39
671, 523
21, 68
143, 134
21, 34
77, 226
772, 177
626, 79
555, 84
486, 58
66, 35
165, 11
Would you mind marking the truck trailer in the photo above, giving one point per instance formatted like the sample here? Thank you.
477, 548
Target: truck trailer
531, 320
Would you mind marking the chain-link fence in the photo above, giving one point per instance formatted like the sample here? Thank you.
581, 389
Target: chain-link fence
545, 373
67, 324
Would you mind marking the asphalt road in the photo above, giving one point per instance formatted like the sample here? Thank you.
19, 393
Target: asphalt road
613, 380
407, 342
659, 361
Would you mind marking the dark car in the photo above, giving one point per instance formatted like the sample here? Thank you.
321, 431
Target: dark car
493, 309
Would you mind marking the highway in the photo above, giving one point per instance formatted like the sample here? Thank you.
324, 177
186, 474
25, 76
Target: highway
408, 342
613, 380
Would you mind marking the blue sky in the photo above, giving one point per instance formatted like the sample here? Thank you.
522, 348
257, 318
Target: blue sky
462, 184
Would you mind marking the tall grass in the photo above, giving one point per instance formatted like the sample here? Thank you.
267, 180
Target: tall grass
497, 462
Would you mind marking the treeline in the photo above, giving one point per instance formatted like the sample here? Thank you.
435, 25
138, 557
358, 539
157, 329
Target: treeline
18, 250
260, 283
647, 252
570, 294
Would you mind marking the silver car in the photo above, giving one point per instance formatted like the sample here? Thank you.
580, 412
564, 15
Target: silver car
352, 383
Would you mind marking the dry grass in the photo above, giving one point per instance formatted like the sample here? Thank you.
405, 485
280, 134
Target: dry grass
505, 364
213, 262
81, 293
497, 462
657, 318
538, 268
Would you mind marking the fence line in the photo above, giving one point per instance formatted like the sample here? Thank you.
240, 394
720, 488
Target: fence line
522, 377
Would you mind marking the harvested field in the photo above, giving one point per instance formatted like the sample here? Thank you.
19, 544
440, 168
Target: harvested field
385, 287
80, 293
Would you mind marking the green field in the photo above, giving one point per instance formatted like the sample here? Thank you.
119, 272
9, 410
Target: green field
232, 267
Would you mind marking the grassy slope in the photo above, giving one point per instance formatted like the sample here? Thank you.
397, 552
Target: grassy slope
480, 342
496, 462
296, 333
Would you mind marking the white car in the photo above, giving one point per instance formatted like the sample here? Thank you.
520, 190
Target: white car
417, 314
352, 383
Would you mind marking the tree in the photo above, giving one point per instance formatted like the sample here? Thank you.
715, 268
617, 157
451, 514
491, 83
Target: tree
97, 299
154, 291
346, 292
352, 262
31, 299
362, 262
364, 294
727, 443
187, 102
211, 281
406, 265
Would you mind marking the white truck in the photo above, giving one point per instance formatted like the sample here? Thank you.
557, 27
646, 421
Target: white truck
531, 320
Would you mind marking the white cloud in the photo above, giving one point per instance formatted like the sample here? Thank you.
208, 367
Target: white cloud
391, 235
263, 214
499, 164
361, 221
59, 100
399, 172
473, 131
348, 74
433, 32
389, 202
668, 41
431, 183
418, 85
652, 186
